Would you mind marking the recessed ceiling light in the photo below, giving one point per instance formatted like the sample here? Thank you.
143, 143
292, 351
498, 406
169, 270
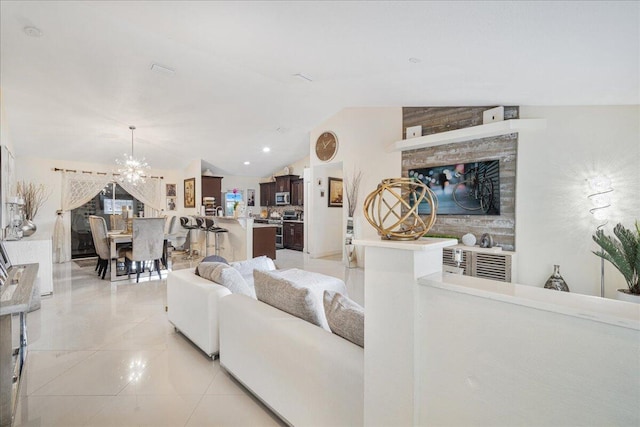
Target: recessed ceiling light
32, 31
163, 70
302, 77
282, 130
415, 60
266, 149
247, 163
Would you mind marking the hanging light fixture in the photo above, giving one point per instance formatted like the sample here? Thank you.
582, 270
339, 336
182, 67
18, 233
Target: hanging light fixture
131, 169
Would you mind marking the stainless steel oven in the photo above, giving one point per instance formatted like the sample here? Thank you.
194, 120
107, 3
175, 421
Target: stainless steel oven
279, 241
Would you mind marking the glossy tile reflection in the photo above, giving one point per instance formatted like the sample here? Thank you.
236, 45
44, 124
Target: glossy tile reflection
103, 354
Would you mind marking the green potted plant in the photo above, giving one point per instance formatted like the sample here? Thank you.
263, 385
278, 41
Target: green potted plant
623, 251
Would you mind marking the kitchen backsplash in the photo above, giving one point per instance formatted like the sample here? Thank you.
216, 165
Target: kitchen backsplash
279, 209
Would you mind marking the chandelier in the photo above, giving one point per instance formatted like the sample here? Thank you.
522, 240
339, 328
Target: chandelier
131, 169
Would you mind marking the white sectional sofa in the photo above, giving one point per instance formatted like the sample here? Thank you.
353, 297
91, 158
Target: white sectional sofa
307, 375
193, 308
303, 372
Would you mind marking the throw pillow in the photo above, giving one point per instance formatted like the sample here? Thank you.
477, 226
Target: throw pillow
345, 317
297, 292
214, 258
259, 263
226, 276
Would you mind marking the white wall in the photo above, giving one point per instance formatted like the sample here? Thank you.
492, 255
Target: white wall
327, 219
363, 135
553, 223
298, 167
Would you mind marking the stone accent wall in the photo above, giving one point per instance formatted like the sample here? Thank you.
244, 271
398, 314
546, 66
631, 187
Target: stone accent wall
504, 148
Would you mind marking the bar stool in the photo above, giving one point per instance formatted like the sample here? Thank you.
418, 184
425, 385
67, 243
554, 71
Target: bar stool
186, 223
210, 227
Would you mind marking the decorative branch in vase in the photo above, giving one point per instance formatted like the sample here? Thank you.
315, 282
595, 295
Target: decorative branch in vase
34, 197
352, 185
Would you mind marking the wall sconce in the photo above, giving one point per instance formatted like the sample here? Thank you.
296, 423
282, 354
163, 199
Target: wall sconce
601, 200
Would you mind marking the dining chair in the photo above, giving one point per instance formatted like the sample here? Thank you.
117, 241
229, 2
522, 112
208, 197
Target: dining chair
147, 245
98, 227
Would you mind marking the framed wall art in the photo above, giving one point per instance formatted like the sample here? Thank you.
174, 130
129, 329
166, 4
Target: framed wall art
171, 203
171, 190
190, 193
335, 192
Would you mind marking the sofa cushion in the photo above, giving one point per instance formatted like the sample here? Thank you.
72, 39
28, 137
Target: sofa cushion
214, 258
258, 263
345, 317
297, 292
226, 276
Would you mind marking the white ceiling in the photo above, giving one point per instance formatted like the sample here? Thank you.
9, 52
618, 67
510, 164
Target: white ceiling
72, 93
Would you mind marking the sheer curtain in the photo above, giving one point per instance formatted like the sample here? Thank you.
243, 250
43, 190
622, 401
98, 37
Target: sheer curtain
148, 193
77, 189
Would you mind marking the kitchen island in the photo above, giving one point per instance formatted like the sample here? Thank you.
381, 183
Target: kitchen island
245, 239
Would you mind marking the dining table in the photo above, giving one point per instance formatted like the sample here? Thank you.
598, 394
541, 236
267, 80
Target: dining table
119, 240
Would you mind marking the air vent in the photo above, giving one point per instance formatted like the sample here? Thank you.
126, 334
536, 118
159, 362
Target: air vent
447, 259
494, 266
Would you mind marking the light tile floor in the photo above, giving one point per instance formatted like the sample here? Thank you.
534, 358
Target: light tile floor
106, 355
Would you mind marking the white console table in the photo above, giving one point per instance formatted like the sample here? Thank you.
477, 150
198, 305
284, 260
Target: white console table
35, 249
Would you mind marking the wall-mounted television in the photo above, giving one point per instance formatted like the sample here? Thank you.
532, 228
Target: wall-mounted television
463, 188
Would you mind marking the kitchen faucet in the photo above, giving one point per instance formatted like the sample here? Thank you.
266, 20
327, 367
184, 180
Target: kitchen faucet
219, 211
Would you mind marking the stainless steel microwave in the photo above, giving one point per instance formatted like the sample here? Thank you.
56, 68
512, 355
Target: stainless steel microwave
283, 199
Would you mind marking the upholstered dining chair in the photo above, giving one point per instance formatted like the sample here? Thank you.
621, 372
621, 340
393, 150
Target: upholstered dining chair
98, 227
147, 245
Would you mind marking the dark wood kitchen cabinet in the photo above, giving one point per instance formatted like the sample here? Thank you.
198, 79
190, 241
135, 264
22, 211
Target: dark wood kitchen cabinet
293, 235
268, 194
264, 242
297, 192
283, 183
212, 187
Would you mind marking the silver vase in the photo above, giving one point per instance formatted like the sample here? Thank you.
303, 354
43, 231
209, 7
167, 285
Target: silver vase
556, 281
28, 228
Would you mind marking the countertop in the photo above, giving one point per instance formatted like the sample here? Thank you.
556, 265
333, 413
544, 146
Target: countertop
264, 225
294, 220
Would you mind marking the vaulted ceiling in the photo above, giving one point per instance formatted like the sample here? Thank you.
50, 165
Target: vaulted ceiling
72, 92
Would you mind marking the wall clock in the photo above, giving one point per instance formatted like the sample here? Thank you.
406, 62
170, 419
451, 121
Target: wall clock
326, 146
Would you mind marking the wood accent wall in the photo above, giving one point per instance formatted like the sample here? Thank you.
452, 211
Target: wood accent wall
442, 119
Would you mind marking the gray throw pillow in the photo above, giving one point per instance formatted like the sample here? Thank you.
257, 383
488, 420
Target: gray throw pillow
214, 258
345, 317
226, 276
291, 297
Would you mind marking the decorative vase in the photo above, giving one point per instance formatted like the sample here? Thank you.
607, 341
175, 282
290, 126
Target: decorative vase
469, 239
235, 212
28, 228
350, 249
625, 295
556, 281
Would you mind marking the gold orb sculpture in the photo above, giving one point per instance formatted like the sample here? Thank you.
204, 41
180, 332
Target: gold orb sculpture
392, 209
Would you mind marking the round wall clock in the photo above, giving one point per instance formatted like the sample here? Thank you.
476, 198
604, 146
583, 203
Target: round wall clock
326, 146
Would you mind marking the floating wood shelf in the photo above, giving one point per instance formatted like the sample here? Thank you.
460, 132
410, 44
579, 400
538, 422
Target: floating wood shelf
470, 133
